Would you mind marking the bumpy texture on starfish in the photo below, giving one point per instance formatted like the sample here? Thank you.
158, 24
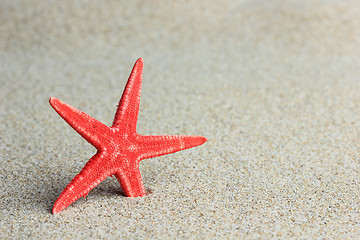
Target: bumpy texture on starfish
120, 148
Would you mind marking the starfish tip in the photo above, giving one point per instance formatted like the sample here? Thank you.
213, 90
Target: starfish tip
55, 210
58, 207
139, 64
54, 102
200, 140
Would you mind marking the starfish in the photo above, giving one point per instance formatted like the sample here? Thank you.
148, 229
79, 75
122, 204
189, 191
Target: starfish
119, 148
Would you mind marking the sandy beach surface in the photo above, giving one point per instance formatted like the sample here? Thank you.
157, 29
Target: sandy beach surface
273, 85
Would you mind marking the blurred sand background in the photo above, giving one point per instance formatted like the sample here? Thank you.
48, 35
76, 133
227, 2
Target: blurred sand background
273, 85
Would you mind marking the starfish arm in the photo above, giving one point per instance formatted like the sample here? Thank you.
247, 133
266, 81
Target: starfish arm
130, 180
152, 146
88, 178
88, 127
127, 113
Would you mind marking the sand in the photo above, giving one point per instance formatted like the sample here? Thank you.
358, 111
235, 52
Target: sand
273, 85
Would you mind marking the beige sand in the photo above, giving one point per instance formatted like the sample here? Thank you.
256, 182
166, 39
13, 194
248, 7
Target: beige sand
274, 85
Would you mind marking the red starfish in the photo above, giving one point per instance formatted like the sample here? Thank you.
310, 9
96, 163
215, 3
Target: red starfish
120, 148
